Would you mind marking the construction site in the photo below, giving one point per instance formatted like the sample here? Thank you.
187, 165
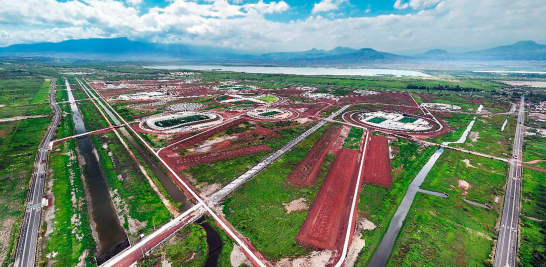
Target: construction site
290, 176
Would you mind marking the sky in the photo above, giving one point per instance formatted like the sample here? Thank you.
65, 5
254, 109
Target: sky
257, 26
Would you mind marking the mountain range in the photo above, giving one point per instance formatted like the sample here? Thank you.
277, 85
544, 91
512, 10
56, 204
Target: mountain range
125, 49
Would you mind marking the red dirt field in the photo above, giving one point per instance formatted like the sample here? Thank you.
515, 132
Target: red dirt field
377, 164
306, 110
382, 97
205, 135
175, 87
308, 169
326, 222
265, 132
198, 159
534, 168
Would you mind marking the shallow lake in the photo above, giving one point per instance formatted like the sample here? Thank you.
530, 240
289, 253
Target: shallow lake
296, 70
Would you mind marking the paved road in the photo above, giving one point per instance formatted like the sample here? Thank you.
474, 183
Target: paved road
138, 250
253, 255
25, 254
215, 198
423, 142
507, 243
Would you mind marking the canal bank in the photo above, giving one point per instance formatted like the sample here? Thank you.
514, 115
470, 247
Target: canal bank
175, 193
384, 250
213, 238
107, 231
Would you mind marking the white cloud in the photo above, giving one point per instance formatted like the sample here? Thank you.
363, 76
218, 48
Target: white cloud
416, 4
327, 5
399, 5
244, 25
421, 4
50, 35
134, 3
263, 8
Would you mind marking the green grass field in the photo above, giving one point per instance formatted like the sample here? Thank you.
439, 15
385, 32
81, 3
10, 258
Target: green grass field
468, 102
485, 176
438, 232
91, 116
71, 236
257, 211
353, 138
448, 231
19, 141
137, 198
268, 99
532, 250
457, 123
61, 95
188, 247
534, 147
66, 125
379, 204
534, 194
24, 91
488, 138
345, 84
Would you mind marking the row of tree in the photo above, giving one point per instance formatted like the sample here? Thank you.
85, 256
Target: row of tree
440, 87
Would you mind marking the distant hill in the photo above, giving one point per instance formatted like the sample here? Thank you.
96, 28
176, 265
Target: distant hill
523, 50
338, 56
313, 53
436, 52
126, 49
117, 48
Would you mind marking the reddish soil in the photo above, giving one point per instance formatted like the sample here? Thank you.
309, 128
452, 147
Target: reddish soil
287, 92
223, 145
198, 159
265, 132
306, 110
315, 109
177, 138
326, 222
308, 169
205, 135
384, 98
534, 168
175, 87
377, 164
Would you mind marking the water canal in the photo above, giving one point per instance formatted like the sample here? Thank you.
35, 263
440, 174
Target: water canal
383, 252
110, 234
214, 241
